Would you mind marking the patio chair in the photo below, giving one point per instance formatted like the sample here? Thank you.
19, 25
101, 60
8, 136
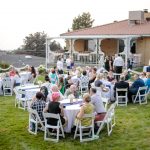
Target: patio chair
122, 99
20, 99
141, 96
7, 87
83, 89
34, 122
80, 129
108, 120
58, 128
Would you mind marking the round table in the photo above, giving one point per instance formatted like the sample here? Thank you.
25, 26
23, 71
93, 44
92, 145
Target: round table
70, 112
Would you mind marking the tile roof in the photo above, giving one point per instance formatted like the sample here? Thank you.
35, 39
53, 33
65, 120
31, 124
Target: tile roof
115, 28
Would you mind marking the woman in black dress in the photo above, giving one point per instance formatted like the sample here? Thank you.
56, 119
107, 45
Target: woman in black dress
107, 63
56, 108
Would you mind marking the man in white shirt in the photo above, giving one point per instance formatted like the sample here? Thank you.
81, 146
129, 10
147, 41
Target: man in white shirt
118, 64
60, 66
98, 104
68, 62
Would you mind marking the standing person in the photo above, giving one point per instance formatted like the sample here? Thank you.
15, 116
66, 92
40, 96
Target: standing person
118, 65
68, 62
60, 66
53, 76
107, 66
72, 63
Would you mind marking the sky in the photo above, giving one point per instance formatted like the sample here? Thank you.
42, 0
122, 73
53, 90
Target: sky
19, 18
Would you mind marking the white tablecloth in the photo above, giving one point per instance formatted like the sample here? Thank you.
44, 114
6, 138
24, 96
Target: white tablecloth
30, 93
70, 113
24, 76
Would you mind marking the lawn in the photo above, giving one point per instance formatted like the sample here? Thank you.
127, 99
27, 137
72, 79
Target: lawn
132, 131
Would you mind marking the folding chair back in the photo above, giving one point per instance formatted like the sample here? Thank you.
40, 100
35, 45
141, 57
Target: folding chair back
122, 99
108, 119
83, 88
80, 128
34, 121
141, 96
57, 127
7, 87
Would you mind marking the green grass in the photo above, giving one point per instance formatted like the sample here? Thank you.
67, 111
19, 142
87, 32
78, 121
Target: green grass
132, 131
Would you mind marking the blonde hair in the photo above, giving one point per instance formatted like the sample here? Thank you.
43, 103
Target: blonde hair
87, 97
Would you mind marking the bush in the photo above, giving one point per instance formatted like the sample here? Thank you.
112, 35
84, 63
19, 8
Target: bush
4, 66
41, 70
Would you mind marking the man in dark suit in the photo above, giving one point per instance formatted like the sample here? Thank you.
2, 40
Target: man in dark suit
135, 86
121, 85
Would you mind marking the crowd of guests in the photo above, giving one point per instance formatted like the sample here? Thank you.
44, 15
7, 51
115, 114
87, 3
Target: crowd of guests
14, 75
60, 84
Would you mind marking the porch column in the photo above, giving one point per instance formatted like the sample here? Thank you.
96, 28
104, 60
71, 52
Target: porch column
46, 54
126, 51
100, 54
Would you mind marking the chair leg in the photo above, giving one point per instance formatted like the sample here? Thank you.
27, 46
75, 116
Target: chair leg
75, 134
81, 135
57, 134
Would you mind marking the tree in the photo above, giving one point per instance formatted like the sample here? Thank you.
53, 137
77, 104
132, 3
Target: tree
82, 21
55, 46
35, 42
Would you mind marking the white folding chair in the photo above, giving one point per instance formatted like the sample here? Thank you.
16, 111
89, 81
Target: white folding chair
83, 89
21, 99
108, 119
34, 122
7, 87
105, 102
58, 127
141, 96
122, 99
81, 128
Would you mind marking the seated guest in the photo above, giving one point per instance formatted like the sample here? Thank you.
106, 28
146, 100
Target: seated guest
121, 85
54, 88
72, 91
143, 76
56, 108
47, 82
86, 108
92, 77
135, 86
147, 82
12, 72
98, 105
75, 79
17, 79
127, 75
110, 76
38, 104
61, 85
84, 79
33, 74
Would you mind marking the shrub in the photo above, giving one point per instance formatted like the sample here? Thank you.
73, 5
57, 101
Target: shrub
41, 70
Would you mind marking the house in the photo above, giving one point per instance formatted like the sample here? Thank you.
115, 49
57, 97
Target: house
130, 38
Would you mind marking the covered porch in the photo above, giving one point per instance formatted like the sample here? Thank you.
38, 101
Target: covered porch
92, 49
